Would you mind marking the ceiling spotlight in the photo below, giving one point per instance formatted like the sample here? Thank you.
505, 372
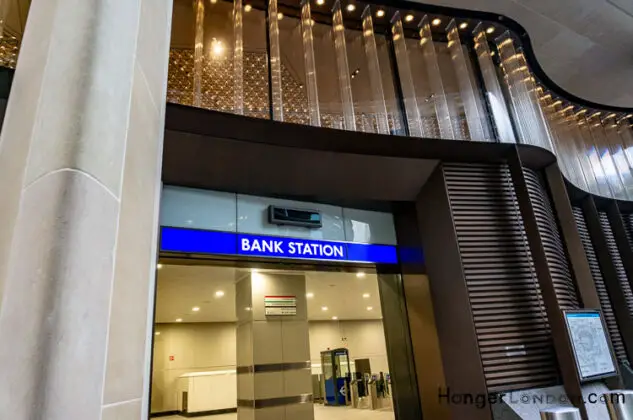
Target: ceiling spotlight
195, 308
214, 1
247, 8
629, 116
219, 293
463, 25
280, 16
217, 48
380, 13
157, 333
310, 295
366, 295
370, 308
324, 308
360, 274
408, 18
320, 2
351, 7
492, 54
334, 318
490, 30
179, 320
436, 21
159, 266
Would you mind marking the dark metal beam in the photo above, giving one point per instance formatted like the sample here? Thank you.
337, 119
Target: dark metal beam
609, 274
562, 344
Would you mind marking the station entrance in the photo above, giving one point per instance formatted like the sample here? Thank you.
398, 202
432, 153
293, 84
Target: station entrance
280, 341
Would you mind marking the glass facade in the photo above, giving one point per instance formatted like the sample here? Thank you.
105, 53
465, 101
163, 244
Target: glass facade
363, 67
366, 68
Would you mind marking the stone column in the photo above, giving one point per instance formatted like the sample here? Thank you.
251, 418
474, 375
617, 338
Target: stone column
274, 379
80, 163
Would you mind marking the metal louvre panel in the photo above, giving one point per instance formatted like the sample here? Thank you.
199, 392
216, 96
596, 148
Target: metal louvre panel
605, 302
628, 228
512, 329
617, 260
552, 242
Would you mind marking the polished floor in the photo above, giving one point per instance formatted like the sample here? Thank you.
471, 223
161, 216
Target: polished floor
320, 413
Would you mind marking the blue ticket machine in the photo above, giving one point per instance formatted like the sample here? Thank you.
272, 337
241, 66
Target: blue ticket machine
336, 376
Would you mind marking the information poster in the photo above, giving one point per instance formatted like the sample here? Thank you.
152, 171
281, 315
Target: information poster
591, 348
280, 305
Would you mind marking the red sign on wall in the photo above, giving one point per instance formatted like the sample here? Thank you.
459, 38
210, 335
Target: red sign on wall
171, 358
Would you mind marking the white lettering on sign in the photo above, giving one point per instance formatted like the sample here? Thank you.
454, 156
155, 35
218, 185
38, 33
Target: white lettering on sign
280, 247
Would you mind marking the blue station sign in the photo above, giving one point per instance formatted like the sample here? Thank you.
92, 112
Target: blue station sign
227, 243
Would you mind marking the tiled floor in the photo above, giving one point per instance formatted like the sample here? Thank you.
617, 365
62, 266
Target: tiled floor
320, 413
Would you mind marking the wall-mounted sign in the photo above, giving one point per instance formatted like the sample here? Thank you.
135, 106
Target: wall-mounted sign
280, 305
594, 358
211, 242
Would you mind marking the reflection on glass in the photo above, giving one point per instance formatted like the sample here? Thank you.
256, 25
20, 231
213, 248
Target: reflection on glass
198, 60
275, 62
342, 65
238, 58
445, 118
474, 115
528, 115
310, 67
373, 68
500, 112
406, 79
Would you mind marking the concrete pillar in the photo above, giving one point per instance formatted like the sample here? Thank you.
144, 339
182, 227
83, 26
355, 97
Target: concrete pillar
80, 162
273, 352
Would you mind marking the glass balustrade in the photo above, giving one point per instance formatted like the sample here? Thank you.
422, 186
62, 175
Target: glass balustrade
381, 69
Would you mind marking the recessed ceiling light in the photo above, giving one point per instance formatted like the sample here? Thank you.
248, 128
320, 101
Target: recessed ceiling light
195, 308
370, 308
214, 1
436, 21
324, 308
217, 48
310, 295
157, 333
280, 16
351, 7
380, 13
159, 266
463, 25
360, 274
219, 293
247, 8
178, 319
320, 2
408, 18
334, 318
492, 54
490, 30
366, 295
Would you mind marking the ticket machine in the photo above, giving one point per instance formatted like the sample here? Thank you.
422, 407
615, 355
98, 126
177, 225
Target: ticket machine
336, 376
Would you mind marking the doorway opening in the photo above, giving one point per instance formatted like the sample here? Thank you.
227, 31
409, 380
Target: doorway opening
287, 342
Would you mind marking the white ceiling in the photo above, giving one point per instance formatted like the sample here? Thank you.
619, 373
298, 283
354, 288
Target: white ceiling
180, 288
